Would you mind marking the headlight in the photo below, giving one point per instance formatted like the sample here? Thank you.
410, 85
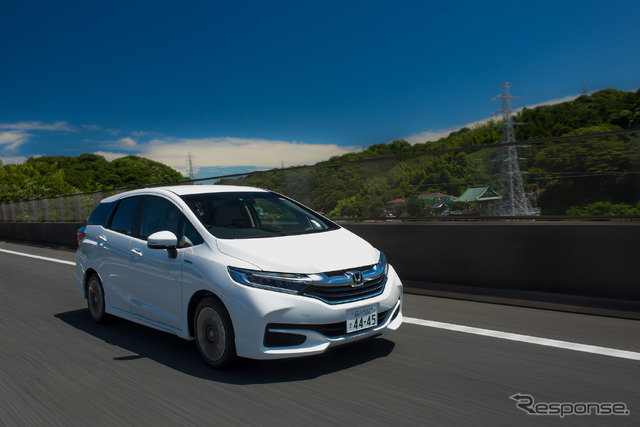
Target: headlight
279, 282
382, 265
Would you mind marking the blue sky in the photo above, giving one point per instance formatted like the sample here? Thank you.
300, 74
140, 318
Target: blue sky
258, 84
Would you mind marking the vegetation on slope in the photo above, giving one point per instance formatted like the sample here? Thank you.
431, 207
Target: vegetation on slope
40, 177
559, 177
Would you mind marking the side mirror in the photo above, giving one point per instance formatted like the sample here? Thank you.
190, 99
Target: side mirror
164, 240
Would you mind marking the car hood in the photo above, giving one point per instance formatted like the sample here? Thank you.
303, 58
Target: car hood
308, 253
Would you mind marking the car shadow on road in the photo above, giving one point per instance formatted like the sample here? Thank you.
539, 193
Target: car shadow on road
183, 356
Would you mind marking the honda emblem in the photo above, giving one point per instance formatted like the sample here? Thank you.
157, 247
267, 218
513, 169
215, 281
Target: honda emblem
356, 278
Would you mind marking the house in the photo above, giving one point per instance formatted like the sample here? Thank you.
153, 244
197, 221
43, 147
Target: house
478, 194
394, 205
437, 196
487, 200
436, 200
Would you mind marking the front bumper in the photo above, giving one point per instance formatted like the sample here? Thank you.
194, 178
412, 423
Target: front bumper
273, 325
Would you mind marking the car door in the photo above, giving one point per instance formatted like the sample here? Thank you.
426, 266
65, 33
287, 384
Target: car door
113, 252
155, 280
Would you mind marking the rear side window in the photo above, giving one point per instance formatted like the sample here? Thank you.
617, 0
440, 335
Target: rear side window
101, 214
126, 214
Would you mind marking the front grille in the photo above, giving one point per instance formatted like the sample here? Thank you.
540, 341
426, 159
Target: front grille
340, 273
335, 287
345, 292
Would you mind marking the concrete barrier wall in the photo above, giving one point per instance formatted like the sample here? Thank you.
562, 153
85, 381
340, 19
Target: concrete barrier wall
48, 233
587, 259
575, 258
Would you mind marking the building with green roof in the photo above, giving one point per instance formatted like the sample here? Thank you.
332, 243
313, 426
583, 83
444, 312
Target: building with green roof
480, 193
486, 200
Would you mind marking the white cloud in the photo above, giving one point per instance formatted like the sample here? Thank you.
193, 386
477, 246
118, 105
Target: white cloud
142, 133
127, 143
215, 152
29, 126
434, 135
428, 136
13, 135
223, 152
553, 101
12, 139
13, 160
109, 156
123, 144
438, 134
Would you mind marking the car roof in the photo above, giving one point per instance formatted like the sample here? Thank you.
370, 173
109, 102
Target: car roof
182, 190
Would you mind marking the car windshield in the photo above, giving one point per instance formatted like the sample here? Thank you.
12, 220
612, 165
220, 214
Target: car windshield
247, 215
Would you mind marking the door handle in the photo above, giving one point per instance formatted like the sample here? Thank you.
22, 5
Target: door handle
102, 237
136, 252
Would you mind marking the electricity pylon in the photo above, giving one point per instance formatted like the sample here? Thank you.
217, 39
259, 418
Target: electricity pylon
514, 202
190, 168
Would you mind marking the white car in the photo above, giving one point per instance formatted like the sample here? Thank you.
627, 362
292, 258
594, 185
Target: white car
242, 271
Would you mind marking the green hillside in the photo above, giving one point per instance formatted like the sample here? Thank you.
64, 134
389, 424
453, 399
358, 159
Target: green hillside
51, 176
581, 176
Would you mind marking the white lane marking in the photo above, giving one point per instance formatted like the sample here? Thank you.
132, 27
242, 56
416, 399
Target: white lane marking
624, 354
60, 261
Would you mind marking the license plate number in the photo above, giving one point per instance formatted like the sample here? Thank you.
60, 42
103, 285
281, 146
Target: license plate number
362, 318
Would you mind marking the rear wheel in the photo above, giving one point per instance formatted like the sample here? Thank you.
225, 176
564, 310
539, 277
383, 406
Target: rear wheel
214, 334
95, 300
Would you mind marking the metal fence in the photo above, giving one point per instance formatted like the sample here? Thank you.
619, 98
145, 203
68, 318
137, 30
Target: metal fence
394, 186
75, 207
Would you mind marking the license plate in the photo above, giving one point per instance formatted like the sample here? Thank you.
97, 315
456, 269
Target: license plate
362, 318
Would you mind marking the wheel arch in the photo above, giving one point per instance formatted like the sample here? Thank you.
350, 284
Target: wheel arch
193, 305
87, 275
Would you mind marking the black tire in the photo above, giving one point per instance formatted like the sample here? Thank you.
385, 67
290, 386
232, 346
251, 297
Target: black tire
95, 300
214, 334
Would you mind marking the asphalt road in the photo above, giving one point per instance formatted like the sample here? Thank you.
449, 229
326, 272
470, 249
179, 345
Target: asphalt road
58, 368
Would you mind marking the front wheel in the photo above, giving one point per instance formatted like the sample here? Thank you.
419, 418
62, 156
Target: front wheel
214, 334
95, 300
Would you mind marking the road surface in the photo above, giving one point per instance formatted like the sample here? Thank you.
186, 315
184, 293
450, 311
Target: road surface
451, 363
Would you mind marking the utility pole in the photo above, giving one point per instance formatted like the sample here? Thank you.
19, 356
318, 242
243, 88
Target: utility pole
515, 201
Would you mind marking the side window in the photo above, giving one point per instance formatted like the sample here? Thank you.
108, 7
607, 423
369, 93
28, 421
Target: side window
101, 214
190, 236
159, 215
125, 216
